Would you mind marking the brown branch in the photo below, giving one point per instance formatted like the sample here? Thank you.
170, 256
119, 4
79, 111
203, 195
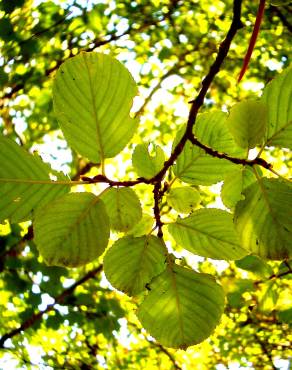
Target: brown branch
198, 102
179, 64
282, 17
281, 274
265, 350
170, 72
156, 208
214, 153
246, 162
196, 105
112, 36
288, 265
276, 276
161, 348
16, 248
168, 354
59, 299
93, 45
83, 170
36, 34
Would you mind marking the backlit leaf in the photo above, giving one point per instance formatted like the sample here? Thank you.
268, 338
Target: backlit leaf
235, 183
264, 219
183, 199
143, 227
280, 2
285, 316
196, 167
278, 98
123, 207
147, 165
73, 230
268, 297
209, 233
182, 307
25, 182
132, 262
247, 123
255, 265
93, 95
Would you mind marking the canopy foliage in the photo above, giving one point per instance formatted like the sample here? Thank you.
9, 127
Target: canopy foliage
145, 201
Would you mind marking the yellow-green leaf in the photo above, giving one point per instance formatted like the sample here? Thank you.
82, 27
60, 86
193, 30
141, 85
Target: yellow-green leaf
145, 164
209, 233
123, 207
247, 122
183, 199
278, 98
25, 182
93, 95
73, 230
264, 219
182, 307
132, 262
193, 165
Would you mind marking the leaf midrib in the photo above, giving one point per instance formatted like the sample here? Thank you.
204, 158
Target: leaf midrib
278, 132
81, 217
205, 233
95, 118
178, 305
268, 205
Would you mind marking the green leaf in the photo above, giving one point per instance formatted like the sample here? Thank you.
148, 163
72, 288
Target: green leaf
143, 227
263, 219
183, 199
182, 307
132, 262
123, 207
6, 29
4, 77
9, 5
193, 165
235, 183
247, 123
279, 2
235, 289
54, 320
93, 95
278, 98
145, 164
209, 233
268, 297
73, 230
255, 265
285, 316
25, 182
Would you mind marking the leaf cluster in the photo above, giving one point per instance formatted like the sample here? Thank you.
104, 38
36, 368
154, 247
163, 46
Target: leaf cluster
153, 214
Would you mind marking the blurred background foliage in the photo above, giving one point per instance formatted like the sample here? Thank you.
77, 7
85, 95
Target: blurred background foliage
72, 318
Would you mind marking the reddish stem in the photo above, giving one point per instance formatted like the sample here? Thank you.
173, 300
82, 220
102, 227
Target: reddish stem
253, 38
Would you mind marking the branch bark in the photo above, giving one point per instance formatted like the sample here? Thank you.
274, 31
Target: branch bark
206, 83
59, 299
106, 39
196, 105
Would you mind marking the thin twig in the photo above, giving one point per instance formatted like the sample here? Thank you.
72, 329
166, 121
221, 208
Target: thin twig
168, 354
110, 37
156, 208
282, 17
36, 34
198, 102
59, 299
